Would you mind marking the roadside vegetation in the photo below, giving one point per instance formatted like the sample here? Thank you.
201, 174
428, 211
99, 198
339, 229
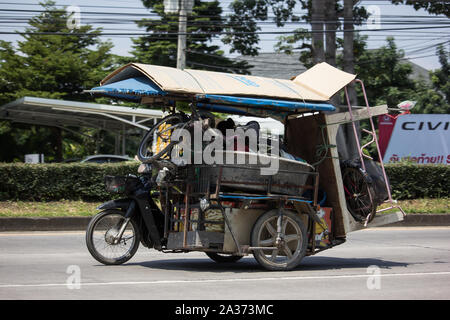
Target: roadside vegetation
66, 208
424, 206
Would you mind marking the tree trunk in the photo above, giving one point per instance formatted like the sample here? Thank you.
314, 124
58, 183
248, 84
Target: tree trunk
317, 18
348, 47
346, 138
58, 144
330, 37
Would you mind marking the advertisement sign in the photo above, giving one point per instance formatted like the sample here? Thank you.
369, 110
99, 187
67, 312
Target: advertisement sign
420, 138
385, 127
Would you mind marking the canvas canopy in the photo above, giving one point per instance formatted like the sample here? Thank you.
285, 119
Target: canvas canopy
228, 92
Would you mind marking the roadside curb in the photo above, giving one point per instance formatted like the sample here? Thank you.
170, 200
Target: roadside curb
44, 224
422, 220
80, 223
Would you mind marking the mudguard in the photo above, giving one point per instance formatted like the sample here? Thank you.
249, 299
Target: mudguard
115, 204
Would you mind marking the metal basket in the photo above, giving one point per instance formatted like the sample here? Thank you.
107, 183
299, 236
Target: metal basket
121, 184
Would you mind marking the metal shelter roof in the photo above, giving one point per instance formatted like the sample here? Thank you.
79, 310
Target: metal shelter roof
60, 113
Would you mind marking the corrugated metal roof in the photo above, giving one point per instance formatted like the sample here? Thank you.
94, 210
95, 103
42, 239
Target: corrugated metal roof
53, 112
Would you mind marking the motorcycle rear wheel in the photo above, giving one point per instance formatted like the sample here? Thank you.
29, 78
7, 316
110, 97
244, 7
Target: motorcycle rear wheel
100, 234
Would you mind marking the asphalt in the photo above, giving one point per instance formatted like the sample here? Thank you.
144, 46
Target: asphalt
80, 223
379, 263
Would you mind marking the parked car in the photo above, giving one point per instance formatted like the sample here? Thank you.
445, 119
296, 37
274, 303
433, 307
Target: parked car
105, 158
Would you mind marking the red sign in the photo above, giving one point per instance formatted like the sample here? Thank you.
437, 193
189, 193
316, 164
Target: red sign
385, 126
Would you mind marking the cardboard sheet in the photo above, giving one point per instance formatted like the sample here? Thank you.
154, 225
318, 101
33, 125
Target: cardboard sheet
319, 83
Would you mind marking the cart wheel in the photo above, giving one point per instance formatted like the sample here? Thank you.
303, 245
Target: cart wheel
292, 248
223, 257
359, 193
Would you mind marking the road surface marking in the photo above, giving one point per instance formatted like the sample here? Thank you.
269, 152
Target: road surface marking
40, 233
223, 280
69, 233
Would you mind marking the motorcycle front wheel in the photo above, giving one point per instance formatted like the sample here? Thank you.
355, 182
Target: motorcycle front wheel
101, 238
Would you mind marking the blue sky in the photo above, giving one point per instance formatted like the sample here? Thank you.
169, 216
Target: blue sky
416, 43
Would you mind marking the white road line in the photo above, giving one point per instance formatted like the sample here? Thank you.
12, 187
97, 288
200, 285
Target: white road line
224, 280
40, 233
69, 233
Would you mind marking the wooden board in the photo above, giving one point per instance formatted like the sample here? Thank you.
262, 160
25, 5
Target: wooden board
304, 134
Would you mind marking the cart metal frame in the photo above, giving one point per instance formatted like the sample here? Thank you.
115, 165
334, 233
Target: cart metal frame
308, 207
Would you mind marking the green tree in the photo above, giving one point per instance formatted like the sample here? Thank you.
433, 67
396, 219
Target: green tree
246, 13
53, 66
50, 66
387, 79
440, 78
385, 74
204, 25
435, 98
433, 7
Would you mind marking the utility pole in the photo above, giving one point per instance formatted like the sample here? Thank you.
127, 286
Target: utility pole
182, 28
183, 8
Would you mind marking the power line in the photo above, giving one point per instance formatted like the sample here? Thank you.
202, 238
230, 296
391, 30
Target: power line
385, 18
271, 62
208, 33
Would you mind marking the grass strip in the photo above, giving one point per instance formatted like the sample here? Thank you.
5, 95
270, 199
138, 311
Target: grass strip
69, 208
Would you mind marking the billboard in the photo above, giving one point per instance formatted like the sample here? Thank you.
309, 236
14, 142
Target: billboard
420, 138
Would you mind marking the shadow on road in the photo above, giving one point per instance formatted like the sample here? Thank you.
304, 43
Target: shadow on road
248, 264
324, 263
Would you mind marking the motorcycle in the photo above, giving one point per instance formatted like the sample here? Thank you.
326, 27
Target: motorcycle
114, 234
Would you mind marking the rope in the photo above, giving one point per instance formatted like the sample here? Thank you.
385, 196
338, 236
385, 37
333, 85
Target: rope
322, 149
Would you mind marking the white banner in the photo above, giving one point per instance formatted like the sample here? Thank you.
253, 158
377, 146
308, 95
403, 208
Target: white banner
420, 138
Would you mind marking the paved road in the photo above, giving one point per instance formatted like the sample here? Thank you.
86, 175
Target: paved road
414, 263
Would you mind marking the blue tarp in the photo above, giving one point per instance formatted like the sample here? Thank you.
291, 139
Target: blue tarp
135, 88
257, 102
132, 88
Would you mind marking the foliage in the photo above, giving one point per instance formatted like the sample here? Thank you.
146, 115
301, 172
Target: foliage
204, 24
49, 182
433, 7
440, 79
422, 206
243, 22
64, 208
289, 43
51, 66
431, 98
386, 77
53, 182
412, 181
